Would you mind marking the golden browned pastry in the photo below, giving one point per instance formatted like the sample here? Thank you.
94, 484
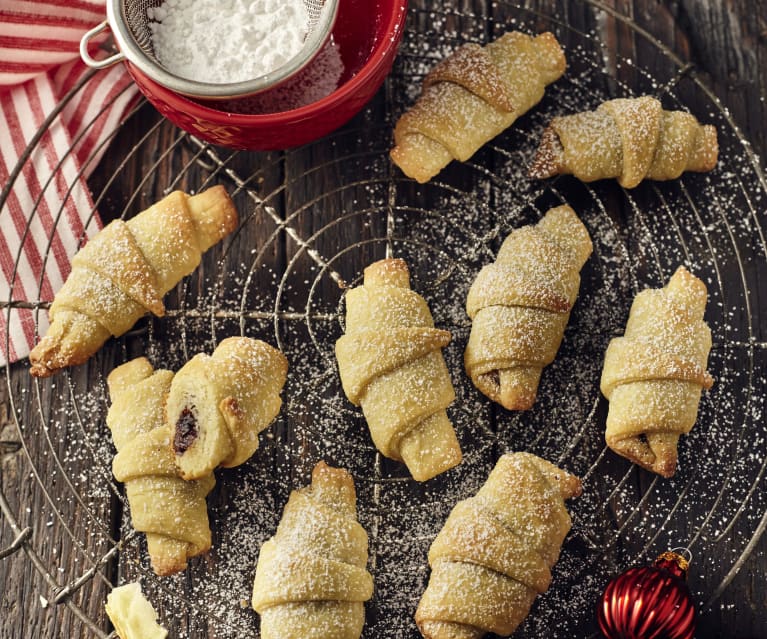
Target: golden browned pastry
218, 404
391, 364
494, 554
471, 97
631, 139
132, 615
311, 581
124, 272
171, 511
520, 305
654, 374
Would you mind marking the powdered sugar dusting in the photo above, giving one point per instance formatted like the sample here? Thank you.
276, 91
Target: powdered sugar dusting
227, 41
318, 80
447, 230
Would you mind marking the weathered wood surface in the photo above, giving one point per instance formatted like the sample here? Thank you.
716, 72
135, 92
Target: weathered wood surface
725, 40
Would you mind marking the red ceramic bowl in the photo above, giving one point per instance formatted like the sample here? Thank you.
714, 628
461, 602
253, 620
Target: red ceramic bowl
367, 34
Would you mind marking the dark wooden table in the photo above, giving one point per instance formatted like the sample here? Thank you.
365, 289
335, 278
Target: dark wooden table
277, 279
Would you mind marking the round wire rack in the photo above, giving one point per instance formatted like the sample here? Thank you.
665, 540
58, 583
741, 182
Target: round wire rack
310, 221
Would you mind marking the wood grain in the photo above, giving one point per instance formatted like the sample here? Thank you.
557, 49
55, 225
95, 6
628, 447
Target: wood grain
725, 42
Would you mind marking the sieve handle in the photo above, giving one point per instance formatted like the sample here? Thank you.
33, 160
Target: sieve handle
92, 62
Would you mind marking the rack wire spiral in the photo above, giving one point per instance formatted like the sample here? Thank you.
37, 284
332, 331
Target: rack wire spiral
305, 236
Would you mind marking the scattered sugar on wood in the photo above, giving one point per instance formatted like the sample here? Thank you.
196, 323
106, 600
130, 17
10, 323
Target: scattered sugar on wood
447, 233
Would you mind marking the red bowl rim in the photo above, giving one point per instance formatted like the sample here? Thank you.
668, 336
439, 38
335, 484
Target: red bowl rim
395, 26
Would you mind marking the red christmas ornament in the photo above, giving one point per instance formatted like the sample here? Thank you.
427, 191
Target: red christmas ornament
653, 602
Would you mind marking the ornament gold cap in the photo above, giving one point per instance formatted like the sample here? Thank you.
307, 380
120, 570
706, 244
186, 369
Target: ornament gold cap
674, 562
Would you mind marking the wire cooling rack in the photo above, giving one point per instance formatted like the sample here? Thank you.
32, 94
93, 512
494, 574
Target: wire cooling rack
310, 221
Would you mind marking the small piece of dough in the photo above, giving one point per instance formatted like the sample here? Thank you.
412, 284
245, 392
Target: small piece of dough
654, 374
390, 362
495, 552
520, 305
132, 615
471, 97
218, 404
125, 270
631, 139
171, 511
311, 581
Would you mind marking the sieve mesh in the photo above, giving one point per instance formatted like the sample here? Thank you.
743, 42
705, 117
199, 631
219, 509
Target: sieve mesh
310, 221
138, 22
131, 25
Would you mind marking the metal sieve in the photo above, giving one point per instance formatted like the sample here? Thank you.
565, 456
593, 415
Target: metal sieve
129, 23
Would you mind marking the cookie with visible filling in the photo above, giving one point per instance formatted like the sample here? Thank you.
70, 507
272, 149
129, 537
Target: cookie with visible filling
219, 403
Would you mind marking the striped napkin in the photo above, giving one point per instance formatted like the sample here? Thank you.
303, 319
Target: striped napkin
39, 65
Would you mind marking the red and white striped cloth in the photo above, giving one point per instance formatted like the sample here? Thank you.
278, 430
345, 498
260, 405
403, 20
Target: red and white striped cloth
49, 208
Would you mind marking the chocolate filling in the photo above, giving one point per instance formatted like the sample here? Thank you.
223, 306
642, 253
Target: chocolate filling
186, 431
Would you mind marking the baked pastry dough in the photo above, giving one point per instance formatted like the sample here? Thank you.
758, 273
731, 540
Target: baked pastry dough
471, 97
495, 552
311, 581
132, 615
219, 403
631, 139
171, 511
124, 272
654, 374
391, 364
520, 305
